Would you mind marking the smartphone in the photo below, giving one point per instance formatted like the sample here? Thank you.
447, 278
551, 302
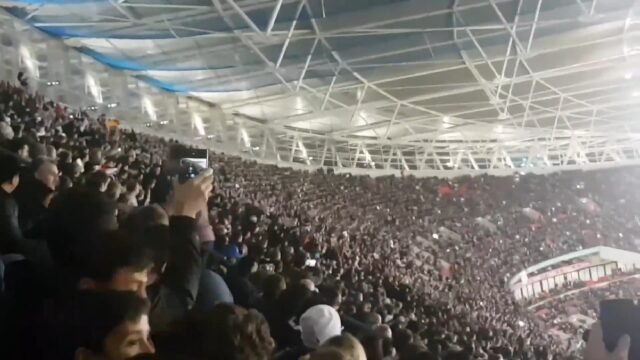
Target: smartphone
619, 317
268, 267
311, 262
192, 162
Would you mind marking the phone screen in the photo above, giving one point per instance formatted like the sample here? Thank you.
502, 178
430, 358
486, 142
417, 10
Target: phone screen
311, 262
192, 162
268, 267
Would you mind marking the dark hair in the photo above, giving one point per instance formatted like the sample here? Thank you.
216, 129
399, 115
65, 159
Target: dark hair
17, 144
37, 163
293, 300
9, 167
92, 315
65, 183
331, 295
76, 216
245, 265
64, 156
372, 345
229, 332
402, 338
272, 288
131, 185
114, 250
145, 216
96, 180
412, 351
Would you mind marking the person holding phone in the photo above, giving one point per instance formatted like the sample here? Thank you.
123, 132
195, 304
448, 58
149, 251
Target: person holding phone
596, 349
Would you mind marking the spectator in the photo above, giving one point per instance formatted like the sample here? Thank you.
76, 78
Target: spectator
98, 181
20, 147
319, 324
229, 332
349, 346
36, 191
12, 240
110, 325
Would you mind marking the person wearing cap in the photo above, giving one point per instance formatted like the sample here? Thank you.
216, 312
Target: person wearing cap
317, 325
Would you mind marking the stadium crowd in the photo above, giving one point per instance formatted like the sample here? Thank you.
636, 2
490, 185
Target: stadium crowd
106, 256
571, 313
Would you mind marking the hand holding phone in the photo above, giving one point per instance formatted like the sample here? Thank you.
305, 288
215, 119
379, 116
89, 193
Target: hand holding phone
596, 349
192, 162
620, 318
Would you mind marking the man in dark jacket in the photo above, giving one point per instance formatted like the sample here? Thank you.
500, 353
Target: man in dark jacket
35, 192
12, 240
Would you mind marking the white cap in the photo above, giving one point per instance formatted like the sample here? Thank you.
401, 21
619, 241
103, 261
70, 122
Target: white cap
319, 324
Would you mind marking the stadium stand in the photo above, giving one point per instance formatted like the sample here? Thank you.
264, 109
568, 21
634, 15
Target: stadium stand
386, 179
115, 259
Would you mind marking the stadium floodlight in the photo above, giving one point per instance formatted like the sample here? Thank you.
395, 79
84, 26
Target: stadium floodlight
446, 122
28, 61
149, 109
92, 87
197, 123
303, 152
245, 138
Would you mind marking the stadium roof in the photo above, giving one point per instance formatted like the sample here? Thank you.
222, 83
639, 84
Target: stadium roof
374, 86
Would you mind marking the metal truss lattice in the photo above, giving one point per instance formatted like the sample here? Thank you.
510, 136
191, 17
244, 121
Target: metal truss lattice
430, 87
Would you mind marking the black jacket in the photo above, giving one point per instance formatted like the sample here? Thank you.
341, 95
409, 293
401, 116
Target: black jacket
30, 196
177, 289
12, 240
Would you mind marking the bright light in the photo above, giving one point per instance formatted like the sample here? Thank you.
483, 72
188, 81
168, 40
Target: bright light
91, 86
499, 129
367, 156
209, 137
29, 63
635, 93
245, 138
112, 105
446, 122
197, 123
303, 150
147, 107
628, 75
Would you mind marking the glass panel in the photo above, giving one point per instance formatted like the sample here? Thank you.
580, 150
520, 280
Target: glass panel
545, 285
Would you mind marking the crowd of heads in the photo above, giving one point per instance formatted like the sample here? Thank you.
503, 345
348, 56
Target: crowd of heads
571, 312
106, 256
